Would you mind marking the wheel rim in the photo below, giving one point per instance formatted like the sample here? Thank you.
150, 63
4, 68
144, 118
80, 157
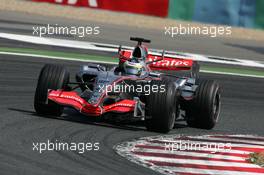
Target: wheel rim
173, 110
173, 116
216, 106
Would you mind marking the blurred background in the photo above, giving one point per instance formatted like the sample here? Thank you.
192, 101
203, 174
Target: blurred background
243, 13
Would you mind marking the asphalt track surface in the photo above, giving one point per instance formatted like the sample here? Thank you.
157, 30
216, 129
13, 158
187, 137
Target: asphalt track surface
242, 113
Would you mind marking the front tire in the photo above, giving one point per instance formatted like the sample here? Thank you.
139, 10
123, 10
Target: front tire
51, 77
161, 107
203, 111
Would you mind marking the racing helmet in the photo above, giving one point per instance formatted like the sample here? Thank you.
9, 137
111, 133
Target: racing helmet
140, 53
132, 68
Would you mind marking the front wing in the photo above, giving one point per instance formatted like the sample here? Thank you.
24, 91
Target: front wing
72, 99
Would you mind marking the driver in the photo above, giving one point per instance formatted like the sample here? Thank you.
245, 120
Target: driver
132, 68
135, 65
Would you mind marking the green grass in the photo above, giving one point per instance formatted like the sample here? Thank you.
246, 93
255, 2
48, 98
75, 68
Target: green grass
257, 158
59, 54
234, 70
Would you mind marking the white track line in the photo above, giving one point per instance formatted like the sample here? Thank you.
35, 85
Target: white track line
56, 42
55, 57
228, 73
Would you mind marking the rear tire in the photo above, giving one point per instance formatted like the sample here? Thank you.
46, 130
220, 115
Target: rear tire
51, 77
203, 111
161, 107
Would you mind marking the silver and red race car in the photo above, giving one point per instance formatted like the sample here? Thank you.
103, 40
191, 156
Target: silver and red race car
133, 88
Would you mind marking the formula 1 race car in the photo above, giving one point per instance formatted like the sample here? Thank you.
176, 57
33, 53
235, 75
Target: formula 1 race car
133, 88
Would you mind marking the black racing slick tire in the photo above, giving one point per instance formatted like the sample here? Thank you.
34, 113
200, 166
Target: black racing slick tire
161, 107
203, 111
51, 77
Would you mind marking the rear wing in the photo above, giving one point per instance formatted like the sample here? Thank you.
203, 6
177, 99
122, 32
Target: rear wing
167, 61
